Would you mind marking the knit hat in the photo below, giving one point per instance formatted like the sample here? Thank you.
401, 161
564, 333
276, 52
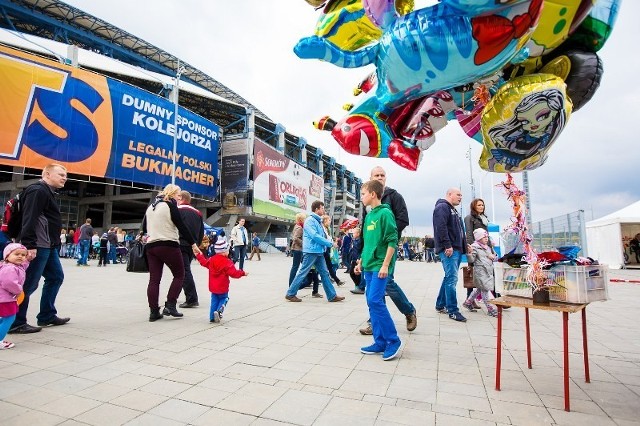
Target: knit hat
479, 233
12, 247
221, 245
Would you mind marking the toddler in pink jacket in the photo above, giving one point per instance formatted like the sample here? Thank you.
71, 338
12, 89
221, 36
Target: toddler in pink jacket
12, 273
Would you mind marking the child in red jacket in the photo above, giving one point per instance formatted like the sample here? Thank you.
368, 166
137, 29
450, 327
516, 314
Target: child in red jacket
220, 269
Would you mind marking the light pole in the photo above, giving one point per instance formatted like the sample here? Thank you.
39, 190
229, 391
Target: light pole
175, 94
473, 186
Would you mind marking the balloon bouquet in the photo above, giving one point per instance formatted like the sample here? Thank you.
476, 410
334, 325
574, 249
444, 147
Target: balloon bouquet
510, 72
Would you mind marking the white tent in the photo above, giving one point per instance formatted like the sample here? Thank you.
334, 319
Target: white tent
608, 237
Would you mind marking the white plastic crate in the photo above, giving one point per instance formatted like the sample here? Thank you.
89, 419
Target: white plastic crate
572, 284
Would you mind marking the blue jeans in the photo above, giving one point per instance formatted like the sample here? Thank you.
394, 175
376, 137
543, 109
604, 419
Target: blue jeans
241, 252
218, 303
447, 295
384, 331
309, 260
84, 251
112, 254
297, 258
46, 264
398, 297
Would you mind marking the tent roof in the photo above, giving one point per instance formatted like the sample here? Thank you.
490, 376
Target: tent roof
629, 214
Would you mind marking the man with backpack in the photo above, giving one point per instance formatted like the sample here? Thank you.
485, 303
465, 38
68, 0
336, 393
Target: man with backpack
40, 234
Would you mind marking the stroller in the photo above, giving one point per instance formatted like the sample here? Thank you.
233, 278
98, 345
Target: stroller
122, 253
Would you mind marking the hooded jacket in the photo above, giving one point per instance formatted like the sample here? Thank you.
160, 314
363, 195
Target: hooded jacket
447, 227
220, 269
41, 219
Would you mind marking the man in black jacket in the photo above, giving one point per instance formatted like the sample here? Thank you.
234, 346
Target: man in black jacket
399, 208
450, 245
192, 219
40, 234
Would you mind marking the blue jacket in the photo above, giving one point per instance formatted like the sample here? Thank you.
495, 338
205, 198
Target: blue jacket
447, 228
313, 237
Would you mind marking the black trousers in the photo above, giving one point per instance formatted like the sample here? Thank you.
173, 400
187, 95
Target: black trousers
188, 284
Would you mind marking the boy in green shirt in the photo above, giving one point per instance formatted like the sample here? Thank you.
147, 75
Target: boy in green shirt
380, 238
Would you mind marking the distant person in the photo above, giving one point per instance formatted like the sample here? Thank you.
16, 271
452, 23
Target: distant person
12, 276
354, 257
84, 241
345, 251
221, 268
634, 245
40, 234
255, 246
450, 244
239, 241
326, 225
192, 219
163, 223
380, 237
296, 245
112, 237
104, 250
314, 244
429, 246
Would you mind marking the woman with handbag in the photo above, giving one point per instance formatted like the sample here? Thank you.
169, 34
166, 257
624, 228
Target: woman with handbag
163, 224
476, 219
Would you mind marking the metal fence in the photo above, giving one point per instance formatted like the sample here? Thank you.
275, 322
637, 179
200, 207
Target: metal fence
560, 231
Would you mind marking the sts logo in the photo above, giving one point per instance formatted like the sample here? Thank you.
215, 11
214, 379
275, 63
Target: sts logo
59, 113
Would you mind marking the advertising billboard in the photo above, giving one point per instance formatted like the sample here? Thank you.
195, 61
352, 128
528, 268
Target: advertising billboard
282, 187
99, 126
234, 176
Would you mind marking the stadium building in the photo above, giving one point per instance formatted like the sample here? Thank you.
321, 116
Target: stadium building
78, 91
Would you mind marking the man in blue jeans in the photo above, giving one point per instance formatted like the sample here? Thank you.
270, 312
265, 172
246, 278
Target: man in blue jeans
86, 232
40, 234
450, 244
399, 209
314, 244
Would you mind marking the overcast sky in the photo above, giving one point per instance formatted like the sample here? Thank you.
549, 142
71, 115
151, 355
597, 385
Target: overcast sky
247, 45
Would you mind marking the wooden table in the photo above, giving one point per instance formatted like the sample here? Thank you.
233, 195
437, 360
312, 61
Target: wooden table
566, 309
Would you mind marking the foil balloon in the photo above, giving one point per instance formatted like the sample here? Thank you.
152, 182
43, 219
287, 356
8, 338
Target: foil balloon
400, 134
352, 24
594, 31
522, 121
558, 20
435, 48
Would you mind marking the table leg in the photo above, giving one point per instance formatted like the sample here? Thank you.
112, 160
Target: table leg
499, 348
587, 377
528, 334
565, 337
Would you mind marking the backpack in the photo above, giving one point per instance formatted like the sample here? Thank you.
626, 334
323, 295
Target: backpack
12, 218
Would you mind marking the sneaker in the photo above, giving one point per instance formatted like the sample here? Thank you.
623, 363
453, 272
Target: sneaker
372, 350
337, 299
53, 321
216, 316
492, 313
293, 299
368, 331
412, 321
457, 316
475, 305
441, 310
357, 291
392, 351
6, 345
469, 306
24, 329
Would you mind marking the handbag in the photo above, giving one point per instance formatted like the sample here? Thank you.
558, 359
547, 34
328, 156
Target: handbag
467, 276
137, 261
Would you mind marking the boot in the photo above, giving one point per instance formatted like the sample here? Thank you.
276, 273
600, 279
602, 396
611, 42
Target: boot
170, 309
154, 314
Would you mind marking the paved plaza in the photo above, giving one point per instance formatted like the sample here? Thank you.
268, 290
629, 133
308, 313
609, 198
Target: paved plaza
272, 362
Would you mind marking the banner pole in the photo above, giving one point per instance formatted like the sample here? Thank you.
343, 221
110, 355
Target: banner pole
176, 98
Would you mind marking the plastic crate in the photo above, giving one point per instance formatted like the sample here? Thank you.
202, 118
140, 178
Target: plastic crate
571, 284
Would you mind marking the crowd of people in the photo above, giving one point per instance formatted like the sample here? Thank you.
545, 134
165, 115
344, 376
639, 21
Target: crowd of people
174, 235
